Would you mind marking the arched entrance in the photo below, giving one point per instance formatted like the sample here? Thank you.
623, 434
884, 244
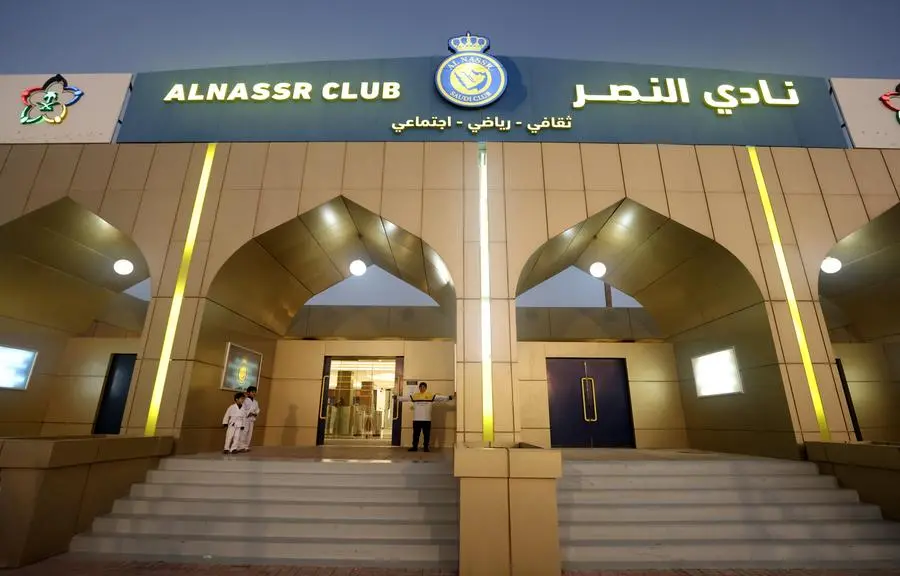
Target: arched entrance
699, 304
257, 302
74, 294
859, 285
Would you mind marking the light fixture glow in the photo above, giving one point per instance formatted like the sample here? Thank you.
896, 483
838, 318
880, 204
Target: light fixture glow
123, 267
16, 366
598, 269
487, 380
357, 267
831, 265
441, 269
717, 373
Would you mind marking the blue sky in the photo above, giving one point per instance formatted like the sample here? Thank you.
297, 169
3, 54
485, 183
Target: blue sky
811, 37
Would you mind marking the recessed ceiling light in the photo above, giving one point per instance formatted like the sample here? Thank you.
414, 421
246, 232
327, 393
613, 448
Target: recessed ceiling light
598, 269
123, 267
357, 267
830, 265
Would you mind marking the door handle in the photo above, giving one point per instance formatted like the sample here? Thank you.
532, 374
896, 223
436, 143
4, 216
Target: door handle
396, 408
586, 384
323, 407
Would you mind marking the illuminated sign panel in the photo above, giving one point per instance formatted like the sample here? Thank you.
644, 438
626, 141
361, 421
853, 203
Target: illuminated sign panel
16, 365
242, 367
50, 102
472, 95
470, 78
61, 108
717, 374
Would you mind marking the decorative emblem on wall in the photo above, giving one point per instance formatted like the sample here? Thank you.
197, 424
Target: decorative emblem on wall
49, 103
891, 101
470, 78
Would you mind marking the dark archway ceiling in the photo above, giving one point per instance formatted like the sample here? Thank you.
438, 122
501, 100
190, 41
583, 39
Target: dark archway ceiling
861, 302
270, 278
681, 277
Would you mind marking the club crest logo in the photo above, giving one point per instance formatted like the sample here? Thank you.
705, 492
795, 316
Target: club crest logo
470, 78
49, 103
891, 101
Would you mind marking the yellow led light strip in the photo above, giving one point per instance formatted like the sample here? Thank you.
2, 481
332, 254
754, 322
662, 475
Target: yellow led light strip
165, 355
487, 382
789, 294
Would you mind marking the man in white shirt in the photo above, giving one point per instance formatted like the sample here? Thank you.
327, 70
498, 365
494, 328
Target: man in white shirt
422, 404
251, 413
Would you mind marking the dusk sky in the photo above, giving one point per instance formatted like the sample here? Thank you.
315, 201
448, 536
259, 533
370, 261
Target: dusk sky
810, 37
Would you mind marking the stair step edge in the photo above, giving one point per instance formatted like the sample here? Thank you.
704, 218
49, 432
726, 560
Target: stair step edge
440, 542
279, 520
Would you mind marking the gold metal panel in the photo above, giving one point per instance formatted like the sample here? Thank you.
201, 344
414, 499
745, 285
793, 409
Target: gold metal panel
259, 288
69, 238
668, 248
58, 271
683, 278
860, 302
311, 253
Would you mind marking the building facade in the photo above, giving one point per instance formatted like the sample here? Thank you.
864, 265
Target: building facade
712, 198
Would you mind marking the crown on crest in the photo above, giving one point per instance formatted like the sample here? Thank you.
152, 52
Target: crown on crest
469, 43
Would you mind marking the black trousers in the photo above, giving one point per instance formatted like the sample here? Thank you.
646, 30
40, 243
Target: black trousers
421, 427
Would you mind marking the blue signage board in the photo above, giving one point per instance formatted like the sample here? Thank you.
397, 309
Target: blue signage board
473, 95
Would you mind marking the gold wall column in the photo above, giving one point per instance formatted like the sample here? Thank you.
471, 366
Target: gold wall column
508, 520
187, 254
485, 350
487, 387
790, 186
164, 369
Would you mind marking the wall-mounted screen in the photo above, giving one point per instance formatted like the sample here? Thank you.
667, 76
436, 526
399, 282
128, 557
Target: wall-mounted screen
717, 373
242, 367
16, 365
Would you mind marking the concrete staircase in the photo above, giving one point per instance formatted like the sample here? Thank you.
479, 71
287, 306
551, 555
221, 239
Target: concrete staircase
330, 513
716, 513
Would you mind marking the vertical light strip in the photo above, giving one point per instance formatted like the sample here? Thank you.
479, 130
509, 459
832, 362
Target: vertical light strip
789, 294
487, 382
165, 355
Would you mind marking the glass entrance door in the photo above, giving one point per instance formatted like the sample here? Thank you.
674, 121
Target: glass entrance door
357, 400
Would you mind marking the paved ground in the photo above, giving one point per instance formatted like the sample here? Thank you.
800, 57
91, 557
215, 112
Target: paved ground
64, 566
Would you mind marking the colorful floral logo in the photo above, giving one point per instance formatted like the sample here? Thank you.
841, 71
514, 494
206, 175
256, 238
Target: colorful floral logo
891, 101
50, 103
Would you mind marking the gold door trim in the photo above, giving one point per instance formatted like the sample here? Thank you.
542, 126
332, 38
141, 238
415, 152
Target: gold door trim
590, 382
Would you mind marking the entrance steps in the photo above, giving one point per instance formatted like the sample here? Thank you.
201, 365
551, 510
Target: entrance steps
323, 513
716, 513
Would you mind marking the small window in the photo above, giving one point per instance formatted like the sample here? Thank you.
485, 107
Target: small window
717, 373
